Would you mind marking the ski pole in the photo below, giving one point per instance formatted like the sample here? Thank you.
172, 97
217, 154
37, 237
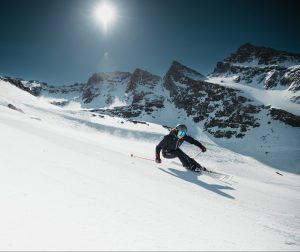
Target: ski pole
197, 155
150, 159
132, 155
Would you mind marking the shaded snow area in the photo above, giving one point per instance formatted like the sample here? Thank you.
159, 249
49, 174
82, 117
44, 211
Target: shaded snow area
68, 182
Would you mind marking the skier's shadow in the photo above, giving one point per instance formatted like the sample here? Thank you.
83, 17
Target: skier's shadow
192, 177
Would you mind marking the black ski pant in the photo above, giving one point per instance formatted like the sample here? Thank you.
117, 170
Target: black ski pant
184, 158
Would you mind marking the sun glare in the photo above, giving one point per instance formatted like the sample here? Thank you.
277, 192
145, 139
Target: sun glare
106, 14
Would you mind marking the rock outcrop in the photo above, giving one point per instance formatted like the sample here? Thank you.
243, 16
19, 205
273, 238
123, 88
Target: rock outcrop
222, 111
261, 66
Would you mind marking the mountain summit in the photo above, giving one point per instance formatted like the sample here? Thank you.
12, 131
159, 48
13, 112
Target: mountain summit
231, 102
255, 105
263, 55
179, 71
261, 67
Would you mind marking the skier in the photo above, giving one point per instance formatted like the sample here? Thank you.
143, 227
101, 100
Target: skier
170, 148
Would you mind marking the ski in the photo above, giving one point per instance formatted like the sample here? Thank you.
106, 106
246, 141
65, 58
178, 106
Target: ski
212, 174
217, 175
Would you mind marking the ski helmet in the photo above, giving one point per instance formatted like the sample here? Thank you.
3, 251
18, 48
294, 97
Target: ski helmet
181, 127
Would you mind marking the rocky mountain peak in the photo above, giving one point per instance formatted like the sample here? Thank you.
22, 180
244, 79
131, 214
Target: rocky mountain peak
97, 78
179, 71
263, 55
142, 77
223, 111
263, 67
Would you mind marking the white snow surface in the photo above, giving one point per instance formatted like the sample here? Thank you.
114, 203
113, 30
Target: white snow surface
67, 182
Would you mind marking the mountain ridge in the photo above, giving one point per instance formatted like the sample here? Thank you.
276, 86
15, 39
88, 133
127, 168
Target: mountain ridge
222, 111
261, 67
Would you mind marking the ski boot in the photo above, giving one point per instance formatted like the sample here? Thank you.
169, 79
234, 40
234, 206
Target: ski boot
197, 168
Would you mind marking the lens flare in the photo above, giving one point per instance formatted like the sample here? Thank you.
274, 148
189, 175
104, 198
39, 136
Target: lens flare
105, 13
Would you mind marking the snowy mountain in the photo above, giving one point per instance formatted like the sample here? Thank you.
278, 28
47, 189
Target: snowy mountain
68, 182
219, 108
240, 102
261, 67
57, 95
127, 95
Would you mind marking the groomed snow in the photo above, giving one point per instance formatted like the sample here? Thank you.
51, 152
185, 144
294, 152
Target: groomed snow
67, 182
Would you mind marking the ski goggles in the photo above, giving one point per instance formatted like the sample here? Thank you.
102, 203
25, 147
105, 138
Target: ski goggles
181, 133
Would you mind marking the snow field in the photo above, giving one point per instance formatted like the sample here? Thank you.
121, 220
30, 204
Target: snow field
67, 182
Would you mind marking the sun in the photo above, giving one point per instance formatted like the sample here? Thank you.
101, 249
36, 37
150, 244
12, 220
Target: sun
105, 13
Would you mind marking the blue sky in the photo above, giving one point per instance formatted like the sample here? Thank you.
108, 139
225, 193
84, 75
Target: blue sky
59, 41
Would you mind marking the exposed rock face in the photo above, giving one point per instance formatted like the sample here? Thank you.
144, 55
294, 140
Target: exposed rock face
18, 83
292, 78
139, 92
261, 66
145, 78
264, 55
286, 117
103, 86
77, 87
143, 89
224, 111
180, 72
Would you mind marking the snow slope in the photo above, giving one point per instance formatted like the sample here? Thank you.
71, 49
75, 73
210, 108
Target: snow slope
67, 182
274, 98
273, 143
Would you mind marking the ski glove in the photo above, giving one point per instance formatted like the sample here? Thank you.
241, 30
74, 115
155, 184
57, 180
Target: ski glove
203, 149
157, 159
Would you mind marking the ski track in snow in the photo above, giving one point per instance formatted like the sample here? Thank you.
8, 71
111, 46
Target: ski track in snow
67, 182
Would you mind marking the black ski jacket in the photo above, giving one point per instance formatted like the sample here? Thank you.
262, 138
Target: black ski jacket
171, 142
